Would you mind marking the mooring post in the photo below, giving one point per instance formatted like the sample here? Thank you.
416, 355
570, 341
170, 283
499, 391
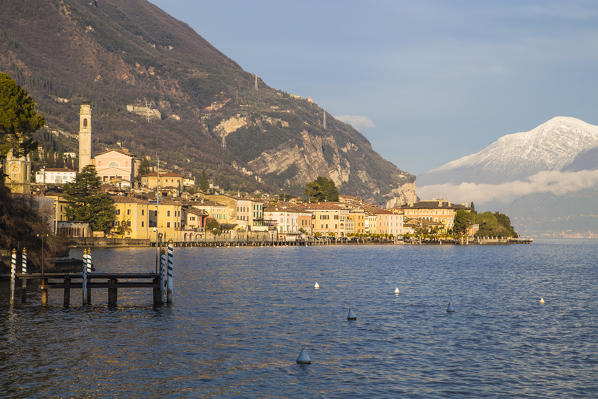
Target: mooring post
13, 275
89, 266
163, 277
170, 282
67, 291
84, 278
157, 293
112, 293
44, 289
24, 280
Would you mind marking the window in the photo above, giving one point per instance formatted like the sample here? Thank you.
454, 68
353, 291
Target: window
84, 122
117, 211
128, 211
168, 213
168, 224
143, 212
142, 223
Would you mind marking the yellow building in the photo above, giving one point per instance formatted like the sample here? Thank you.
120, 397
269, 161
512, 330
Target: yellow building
162, 180
142, 219
132, 218
357, 219
328, 219
434, 211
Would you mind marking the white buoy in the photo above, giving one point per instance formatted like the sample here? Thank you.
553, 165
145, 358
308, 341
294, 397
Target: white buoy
397, 291
316, 285
541, 301
351, 315
303, 357
449, 308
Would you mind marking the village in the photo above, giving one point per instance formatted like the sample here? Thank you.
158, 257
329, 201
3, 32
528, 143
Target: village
153, 205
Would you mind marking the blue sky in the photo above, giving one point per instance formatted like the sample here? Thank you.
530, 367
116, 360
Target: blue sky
425, 81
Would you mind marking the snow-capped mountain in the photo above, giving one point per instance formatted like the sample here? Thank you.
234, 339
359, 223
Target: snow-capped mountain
548, 147
545, 179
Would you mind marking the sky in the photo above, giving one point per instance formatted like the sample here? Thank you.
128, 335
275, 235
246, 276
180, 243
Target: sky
425, 81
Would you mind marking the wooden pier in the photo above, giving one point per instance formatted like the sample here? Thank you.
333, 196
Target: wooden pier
161, 283
110, 281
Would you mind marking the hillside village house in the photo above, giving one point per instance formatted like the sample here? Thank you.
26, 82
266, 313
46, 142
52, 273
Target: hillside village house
55, 176
219, 212
115, 166
162, 180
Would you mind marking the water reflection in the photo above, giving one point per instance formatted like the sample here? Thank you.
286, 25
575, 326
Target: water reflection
240, 317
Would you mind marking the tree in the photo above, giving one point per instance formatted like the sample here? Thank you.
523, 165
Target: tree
213, 226
144, 169
18, 119
463, 220
472, 207
321, 189
88, 203
204, 185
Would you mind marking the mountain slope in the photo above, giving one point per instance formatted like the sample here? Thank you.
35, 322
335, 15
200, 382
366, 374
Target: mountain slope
550, 146
156, 86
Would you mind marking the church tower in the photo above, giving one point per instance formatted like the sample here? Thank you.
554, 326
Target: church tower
84, 136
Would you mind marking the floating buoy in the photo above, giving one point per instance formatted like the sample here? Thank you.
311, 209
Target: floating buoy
316, 285
541, 301
303, 357
351, 315
449, 308
397, 291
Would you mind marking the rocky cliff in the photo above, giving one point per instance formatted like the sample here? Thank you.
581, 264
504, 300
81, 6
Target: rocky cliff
157, 87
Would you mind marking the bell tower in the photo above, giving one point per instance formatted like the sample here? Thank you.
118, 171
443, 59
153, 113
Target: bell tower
84, 136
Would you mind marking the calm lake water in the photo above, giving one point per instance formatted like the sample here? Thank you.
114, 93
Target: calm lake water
241, 316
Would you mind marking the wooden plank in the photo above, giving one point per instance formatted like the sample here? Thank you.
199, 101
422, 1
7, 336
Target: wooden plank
120, 284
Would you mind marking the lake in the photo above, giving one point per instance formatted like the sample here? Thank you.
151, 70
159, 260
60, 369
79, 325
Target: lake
241, 316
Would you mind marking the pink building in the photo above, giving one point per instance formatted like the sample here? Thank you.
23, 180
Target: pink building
115, 165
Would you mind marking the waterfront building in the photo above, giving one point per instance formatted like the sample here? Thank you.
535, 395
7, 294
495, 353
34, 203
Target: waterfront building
290, 221
356, 221
370, 223
436, 210
132, 218
388, 222
55, 176
328, 219
247, 213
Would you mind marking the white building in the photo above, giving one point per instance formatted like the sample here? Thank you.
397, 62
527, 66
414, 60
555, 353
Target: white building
55, 176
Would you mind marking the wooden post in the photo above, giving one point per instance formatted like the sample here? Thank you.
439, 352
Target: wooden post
84, 278
13, 275
157, 293
23, 280
112, 293
67, 292
170, 282
44, 289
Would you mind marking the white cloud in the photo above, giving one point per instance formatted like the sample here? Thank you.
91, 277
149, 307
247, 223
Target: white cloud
357, 121
554, 182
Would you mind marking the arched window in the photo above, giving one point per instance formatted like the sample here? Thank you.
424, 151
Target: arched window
84, 122
113, 164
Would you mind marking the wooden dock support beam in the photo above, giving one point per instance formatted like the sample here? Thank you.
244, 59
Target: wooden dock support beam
112, 293
157, 292
67, 292
44, 288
